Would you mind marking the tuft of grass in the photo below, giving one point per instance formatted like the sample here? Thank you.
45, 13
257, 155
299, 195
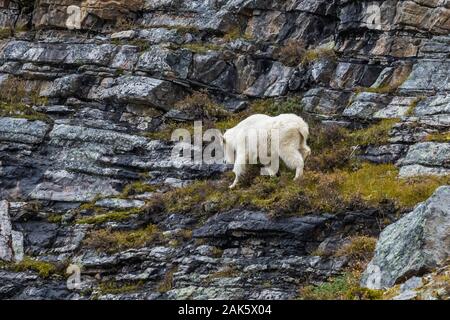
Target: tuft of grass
412, 107
185, 234
291, 53
233, 34
325, 158
384, 89
13, 93
55, 218
114, 241
377, 134
375, 183
137, 187
44, 269
165, 133
13, 90
201, 107
201, 47
313, 55
103, 216
345, 287
217, 252
167, 283
275, 107
22, 111
360, 248
5, 33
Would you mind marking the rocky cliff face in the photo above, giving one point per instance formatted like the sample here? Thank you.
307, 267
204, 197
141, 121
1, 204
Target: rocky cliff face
87, 86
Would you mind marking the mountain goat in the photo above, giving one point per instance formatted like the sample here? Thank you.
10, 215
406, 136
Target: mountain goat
251, 140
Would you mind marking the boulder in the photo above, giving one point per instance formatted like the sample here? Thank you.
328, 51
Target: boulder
431, 155
414, 245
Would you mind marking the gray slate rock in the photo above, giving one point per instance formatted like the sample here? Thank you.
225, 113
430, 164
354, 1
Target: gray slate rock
22, 130
138, 90
417, 243
426, 158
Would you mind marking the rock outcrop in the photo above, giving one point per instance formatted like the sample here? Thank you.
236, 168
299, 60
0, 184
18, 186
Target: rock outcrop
416, 244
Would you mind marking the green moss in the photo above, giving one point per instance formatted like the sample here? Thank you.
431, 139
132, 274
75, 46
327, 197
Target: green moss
112, 287
115, 241
275, 107
345, 287
44, 269
217, 252
91, 206
143, 45
384, 89
439, 137
118, 215
236, 33
5, 33
102, 215
137, 187
201, 47
55, 218
22, 111
377, 134
377, 182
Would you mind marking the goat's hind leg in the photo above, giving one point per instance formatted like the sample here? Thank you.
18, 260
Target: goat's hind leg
293, 160
239, 169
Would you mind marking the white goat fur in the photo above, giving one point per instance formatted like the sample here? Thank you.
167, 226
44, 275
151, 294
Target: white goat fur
293, 136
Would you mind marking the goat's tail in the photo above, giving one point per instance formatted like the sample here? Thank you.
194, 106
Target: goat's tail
304, 132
